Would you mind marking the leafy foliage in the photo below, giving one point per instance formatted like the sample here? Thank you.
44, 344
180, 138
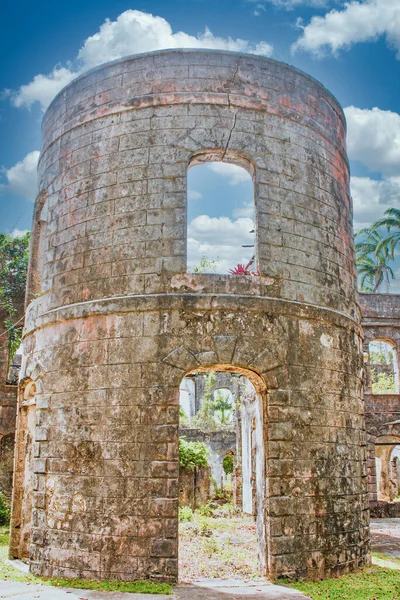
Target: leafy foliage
206, 265
222, 404
382, 361
381, 357
227, 464
14, 254
372, 257
4, 510
185, 514
192, 454
205, 510
391, 221
383, 383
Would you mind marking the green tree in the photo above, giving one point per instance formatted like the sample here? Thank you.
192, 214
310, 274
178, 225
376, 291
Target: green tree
391, 221
372, 259
383, 383
14, 254
192, 454
223, 406
228, 464
204, 419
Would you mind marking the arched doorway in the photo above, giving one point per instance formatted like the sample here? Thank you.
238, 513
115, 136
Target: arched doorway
387, 453
236, 495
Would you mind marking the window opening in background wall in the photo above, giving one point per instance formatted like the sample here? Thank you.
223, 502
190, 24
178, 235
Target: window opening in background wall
223, 406
220, 221
384, 367
387, 466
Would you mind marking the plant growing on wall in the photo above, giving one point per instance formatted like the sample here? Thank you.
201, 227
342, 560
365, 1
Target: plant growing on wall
14, 254
244, 269
192, 454
206, 265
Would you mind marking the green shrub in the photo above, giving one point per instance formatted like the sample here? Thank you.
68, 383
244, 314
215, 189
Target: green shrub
185, 514
4, 510
222, 495
192, 454
227, 464
205, 510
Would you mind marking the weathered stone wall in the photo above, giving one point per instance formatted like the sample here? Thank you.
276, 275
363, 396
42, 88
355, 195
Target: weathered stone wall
195, 486
222, 381
119, 321
218, 443
380, 321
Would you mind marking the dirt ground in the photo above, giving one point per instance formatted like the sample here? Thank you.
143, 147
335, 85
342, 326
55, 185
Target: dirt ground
223, 545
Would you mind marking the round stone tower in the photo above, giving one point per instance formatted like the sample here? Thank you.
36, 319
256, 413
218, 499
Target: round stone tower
116, 321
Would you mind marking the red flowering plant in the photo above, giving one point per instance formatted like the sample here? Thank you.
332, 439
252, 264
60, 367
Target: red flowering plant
244, 269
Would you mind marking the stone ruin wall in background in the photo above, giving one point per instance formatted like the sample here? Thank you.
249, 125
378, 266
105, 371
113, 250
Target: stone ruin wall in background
380, 321
118, 322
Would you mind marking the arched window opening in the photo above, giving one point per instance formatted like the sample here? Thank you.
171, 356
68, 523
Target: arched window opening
387, 466
220, 219
21, 518
383, 367
223, 406
222, 471
38, 249
187, 396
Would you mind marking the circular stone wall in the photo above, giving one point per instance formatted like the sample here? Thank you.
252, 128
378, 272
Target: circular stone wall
118, 322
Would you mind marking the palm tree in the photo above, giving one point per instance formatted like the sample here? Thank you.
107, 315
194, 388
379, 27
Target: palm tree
372, 256
391, 221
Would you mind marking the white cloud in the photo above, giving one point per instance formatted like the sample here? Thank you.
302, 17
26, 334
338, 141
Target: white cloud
372, 197
288, 4
193, 195
135, 31
22, 177
374, 139
18, 232
244, 211
357, 22
234, 173
219, 238
43, 88
132, 32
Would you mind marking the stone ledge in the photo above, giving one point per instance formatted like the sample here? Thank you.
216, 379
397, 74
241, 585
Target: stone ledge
187, 301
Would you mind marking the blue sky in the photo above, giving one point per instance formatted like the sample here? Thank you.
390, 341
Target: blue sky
353, 48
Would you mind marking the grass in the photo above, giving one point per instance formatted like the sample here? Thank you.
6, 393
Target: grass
9, 573
371, 583
222, 544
